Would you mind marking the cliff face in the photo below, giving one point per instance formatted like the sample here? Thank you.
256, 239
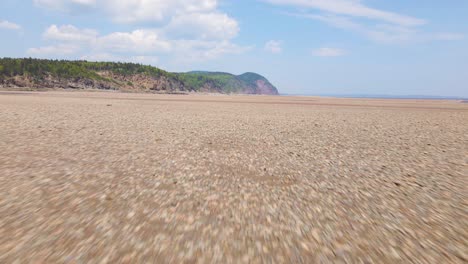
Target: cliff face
247, 83
143, 82
260, 83
26, 81
40, 74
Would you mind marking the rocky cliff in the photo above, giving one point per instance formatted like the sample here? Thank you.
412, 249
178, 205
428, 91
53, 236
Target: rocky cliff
40, 74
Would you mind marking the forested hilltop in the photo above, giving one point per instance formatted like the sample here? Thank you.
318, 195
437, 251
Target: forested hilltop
39, 74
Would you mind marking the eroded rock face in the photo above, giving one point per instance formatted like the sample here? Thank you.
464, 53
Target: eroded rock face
50, 82
258, 83
142, 82
31, 73
265, 88
248, 83
135, 83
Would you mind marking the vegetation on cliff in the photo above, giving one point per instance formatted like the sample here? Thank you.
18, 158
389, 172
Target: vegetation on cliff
117, 75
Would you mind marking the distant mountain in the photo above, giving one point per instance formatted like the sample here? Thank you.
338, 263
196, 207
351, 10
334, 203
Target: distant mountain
39, 74
247, 83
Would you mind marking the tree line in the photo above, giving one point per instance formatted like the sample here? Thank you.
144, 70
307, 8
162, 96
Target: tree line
38, 69
10, 67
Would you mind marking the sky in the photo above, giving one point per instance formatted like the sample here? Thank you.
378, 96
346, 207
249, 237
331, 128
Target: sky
315, 47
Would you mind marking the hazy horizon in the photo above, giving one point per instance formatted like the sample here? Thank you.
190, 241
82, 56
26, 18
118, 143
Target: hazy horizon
347, 47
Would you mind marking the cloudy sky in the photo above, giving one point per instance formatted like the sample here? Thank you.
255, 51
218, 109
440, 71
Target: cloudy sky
398, 47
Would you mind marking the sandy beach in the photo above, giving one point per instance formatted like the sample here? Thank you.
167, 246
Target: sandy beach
102, 177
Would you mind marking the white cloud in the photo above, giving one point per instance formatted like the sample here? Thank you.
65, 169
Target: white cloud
135, 42
200, 50
382, 33
182, 29
70, 33
138, 41
119, 58
186, 18
274, 46
354, 8
448, 36
66, 5
61, 49
375, 24
131, 11
212, 25
139, 45
328, 52
84, 2
9, 25
134, 11
145, 59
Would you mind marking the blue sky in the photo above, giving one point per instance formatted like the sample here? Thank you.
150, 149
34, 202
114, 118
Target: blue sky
396, 47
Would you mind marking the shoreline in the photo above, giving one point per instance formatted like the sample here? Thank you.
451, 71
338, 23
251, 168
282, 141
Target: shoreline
299, 101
